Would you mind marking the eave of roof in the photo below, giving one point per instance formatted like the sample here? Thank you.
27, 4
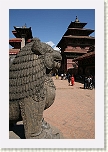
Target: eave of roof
82, 29
15, 40
75, 50
90, 54
78, 24
13, 51
73, 36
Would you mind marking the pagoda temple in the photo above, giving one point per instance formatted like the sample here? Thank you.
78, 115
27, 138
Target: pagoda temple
23, 35
74, 43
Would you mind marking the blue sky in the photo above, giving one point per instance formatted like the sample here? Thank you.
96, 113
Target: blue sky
49, 25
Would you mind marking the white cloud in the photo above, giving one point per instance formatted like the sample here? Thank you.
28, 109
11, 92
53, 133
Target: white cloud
53, 45
50, 43
56, 48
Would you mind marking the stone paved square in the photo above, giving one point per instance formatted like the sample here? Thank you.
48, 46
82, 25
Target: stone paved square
73, 111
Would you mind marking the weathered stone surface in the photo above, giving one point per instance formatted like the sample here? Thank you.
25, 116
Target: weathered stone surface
17, 131
31, 88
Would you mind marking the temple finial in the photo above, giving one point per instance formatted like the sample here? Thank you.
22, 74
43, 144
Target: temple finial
76, 20
24, 26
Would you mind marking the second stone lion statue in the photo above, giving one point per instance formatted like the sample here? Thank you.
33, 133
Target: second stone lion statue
31, 88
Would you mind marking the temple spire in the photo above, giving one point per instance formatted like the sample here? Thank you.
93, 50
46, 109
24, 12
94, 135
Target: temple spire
24, 26
76, 20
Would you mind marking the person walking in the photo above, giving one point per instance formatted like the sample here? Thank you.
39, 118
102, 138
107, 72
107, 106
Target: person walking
69, 78
72, 80
91, 82
85, 82
57, 76
65, 77
88, 84
62, 76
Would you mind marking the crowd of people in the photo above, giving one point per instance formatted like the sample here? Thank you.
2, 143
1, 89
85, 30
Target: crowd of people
69, 77
89, 81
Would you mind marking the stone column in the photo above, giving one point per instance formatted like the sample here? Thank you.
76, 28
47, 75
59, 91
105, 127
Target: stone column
23, 41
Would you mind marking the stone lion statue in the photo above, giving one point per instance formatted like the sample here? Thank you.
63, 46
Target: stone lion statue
31, 88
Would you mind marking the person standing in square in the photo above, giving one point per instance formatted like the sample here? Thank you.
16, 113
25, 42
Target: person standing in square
72, 80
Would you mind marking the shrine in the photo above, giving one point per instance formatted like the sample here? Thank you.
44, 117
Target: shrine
74, 43
23, 36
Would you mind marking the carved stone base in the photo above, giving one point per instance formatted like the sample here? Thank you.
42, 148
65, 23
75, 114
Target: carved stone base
51, 131
48, 132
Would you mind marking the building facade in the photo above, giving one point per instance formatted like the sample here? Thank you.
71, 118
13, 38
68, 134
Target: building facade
74, 43
86, 63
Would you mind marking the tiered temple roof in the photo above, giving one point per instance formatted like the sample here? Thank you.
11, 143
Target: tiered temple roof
19, 32
76, 36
